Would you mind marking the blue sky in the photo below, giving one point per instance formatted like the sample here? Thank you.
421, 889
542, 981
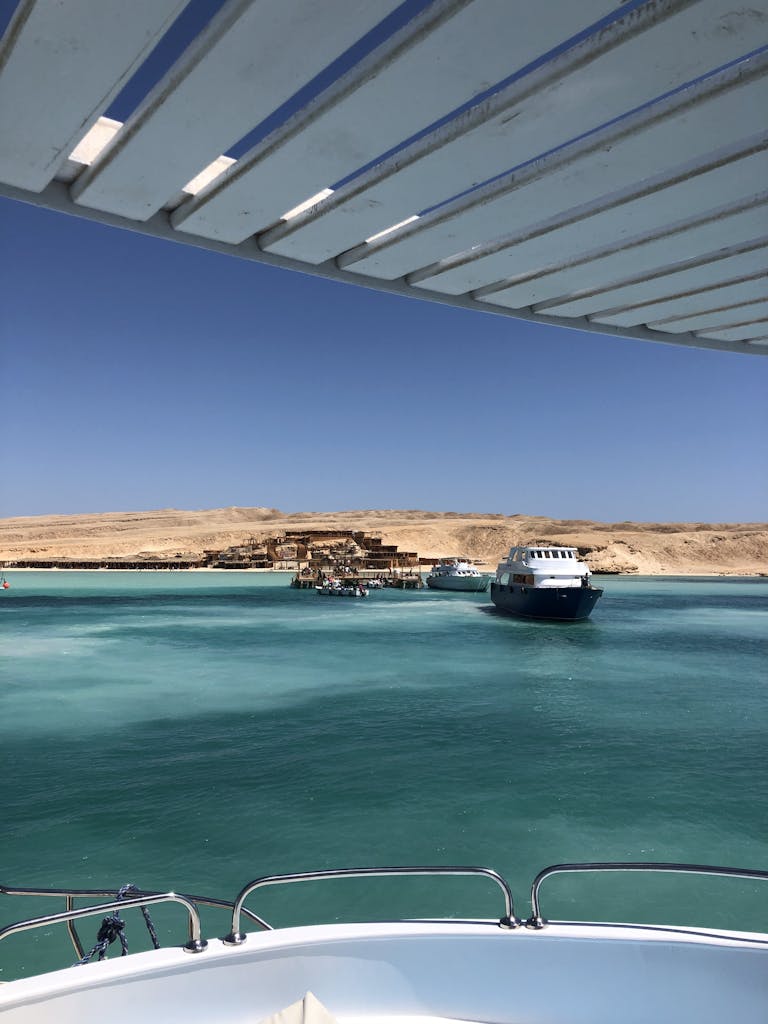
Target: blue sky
140, 373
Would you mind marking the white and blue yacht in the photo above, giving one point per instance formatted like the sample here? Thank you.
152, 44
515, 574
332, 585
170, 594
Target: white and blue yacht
544, 582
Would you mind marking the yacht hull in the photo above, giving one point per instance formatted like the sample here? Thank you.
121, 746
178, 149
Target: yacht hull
563, 604
470, 584
433, 973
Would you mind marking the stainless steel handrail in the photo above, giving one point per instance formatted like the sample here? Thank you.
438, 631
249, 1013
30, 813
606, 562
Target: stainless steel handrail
236, 937
195, 944
537, 921
69, 895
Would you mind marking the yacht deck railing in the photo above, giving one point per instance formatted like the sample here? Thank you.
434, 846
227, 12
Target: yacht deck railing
196, 943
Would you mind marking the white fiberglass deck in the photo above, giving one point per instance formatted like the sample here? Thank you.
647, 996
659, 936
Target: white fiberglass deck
399, 973
590, 164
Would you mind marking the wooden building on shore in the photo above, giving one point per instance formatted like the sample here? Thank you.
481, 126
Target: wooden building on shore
312, 551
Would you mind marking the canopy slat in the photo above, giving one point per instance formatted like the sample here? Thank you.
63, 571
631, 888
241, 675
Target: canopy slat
597, 188
688, 303
702, 271
589, 164
679, 242
650, 206
61, 64
757, 330
251, 58
704, 322
653, 49
436, 63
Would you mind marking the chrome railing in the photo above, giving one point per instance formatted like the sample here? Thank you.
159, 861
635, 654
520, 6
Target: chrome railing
196, 943
140, 899
537, 921
236, 937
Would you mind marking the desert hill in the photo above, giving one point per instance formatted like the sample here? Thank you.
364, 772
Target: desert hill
644, 548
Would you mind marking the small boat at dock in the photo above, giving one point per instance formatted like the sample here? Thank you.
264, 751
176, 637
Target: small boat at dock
338, 588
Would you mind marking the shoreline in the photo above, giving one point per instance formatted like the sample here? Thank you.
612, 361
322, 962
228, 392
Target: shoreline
292, 572
195, 541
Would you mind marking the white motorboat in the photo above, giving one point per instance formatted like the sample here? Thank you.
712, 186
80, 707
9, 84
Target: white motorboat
443, 971
458, 574
338, 588
541, 581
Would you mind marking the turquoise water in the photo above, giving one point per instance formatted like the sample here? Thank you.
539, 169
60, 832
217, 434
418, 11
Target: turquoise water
195, 731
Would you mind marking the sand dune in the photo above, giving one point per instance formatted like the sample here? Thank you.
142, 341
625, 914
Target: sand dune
645, 548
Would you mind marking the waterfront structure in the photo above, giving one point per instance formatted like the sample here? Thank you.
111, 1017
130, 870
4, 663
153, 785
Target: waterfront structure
313, 550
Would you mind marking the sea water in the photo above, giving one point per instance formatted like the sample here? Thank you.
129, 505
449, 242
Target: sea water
194, 731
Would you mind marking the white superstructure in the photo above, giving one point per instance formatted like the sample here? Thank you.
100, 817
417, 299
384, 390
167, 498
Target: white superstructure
543, 566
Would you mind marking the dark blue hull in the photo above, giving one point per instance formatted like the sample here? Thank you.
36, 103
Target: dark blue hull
565, 604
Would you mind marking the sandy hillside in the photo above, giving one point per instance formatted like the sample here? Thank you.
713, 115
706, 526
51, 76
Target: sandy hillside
645, 548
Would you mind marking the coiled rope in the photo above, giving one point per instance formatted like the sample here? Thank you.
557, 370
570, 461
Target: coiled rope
113, 927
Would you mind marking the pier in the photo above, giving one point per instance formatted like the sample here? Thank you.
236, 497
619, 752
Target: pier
403, 581
348, 554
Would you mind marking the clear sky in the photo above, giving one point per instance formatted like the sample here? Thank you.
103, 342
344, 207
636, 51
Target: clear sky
139, 373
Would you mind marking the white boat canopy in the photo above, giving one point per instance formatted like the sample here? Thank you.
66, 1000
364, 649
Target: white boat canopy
583, 164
